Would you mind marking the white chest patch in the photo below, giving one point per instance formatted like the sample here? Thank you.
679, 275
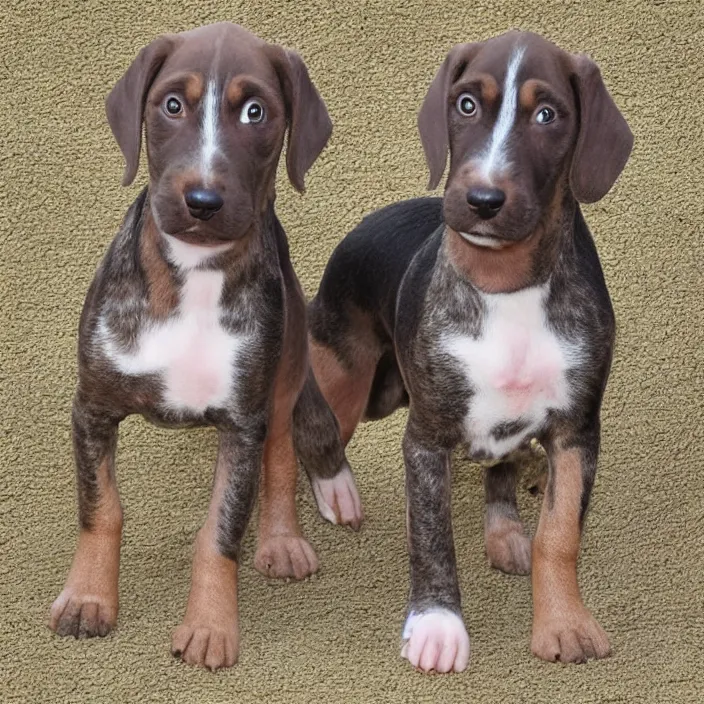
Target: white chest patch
517, 369
191, 351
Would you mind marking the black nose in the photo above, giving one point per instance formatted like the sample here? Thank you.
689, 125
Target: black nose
203, 203
486, 201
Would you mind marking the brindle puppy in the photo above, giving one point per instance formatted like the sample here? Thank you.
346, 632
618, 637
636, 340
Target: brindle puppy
487, 312
195, 317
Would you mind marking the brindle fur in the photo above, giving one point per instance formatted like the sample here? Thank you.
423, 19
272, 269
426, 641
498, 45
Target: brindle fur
404, 277
137, 285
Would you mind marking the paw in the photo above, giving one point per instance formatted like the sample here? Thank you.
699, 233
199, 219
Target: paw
576, 637
507, 547
338, 500
205, 646
286, 556
436, 640
83, 614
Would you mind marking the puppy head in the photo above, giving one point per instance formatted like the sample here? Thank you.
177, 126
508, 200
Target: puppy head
524, 122
216, 103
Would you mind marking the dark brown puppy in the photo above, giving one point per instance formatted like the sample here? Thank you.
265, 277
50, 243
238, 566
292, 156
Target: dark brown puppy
195, 317
488, 313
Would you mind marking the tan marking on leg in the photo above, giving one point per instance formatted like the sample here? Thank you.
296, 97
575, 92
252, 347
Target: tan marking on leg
346, 391
563, 629
282, 551
209, 634
163, 294
88, 604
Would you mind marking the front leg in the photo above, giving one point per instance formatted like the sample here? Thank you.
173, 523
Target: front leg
563, 628
209, 634
434, 634
88, 604
316, 435
282, 550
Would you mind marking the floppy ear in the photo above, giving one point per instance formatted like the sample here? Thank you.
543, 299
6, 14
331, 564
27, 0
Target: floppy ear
432, 118
604, 142
309, 125
125, 103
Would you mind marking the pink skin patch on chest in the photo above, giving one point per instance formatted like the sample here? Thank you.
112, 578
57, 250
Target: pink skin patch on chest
530, 370
194, 354
516, 369
200, 371
196, 373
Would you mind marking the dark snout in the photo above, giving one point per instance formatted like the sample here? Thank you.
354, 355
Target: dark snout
485, 201
202, 213
203, 203
500, 210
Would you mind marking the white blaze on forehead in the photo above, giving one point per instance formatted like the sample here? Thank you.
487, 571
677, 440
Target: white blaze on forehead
210, 126
494, 159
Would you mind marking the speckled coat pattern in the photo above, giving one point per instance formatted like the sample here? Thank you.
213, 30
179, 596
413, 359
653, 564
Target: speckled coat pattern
336, 636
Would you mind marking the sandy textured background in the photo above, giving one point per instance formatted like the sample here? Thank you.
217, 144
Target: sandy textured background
335, 638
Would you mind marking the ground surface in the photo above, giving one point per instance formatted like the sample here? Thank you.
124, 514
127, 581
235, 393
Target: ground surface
335, 638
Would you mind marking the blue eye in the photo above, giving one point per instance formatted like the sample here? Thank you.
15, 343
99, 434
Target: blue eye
545, 116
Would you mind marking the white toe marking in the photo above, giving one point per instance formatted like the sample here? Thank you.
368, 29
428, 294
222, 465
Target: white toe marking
340, 491
436, 640
325, 511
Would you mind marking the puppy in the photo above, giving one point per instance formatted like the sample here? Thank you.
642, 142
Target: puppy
195, 317
487, 313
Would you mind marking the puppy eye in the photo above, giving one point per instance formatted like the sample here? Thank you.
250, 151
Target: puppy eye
545, 116
466, 105
173, 106
252, 112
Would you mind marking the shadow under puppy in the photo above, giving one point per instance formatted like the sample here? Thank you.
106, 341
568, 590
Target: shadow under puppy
196, 317
487, 313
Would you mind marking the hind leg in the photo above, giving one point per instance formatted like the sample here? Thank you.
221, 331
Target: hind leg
319, 446
332, 404
345, 387
507, 546
339, 394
